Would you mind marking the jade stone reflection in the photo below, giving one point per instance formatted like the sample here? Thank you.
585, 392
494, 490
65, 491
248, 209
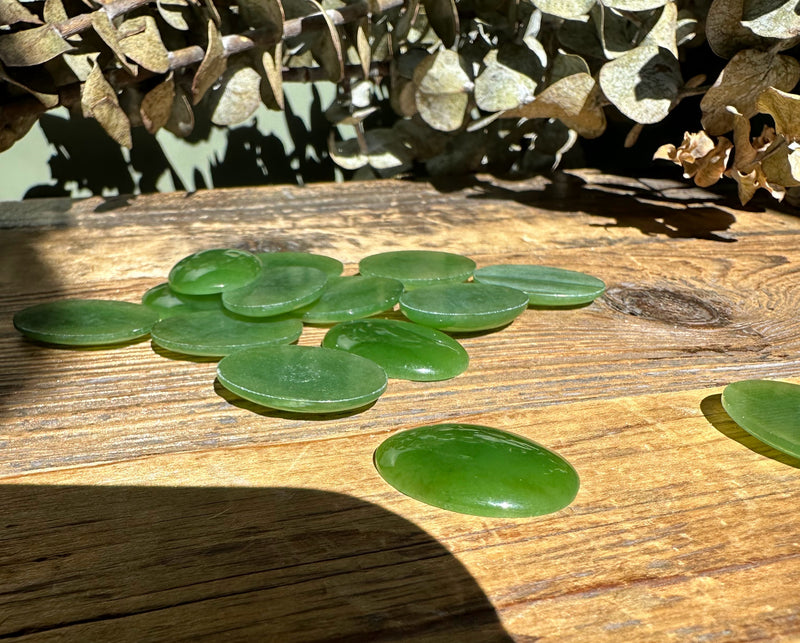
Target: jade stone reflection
404, 350
346, 298
477, 470
463, 307
212, 271
85, 322
303, 379
544, 285
276, 290
166, 302
416, 268
767, 410
330, 266
217, 333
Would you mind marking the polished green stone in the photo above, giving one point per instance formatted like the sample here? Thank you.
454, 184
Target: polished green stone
767, 410
276, 290
477, 470
328, 265
85, 322
544, 285
166, 302
463, 307
404, 350
211, 271
217, 333
304, 379
346, 298
416, 268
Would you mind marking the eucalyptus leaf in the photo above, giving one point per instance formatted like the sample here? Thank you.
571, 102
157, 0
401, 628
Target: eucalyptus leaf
237, 97
212, 66
782, 166
442, 87
31, 46
348, 153
568, 9
768, 19
181, 116
156, 105
420, 138
531, 37
634, 5
47, 99
574, 100
442, 73
175, 13
643, 84
13, 12
140, 40
724, 30
663, 33
263, 14
740, 83
99, 101
103, 27
443, 18
14, 128
52, 12
784, 109
565, 64
499, 87
444, 112
272, 90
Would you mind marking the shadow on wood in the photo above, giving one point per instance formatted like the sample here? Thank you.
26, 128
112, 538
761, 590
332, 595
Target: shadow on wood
83, 563
715, 413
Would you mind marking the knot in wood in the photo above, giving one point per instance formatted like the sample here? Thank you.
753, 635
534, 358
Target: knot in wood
675, 307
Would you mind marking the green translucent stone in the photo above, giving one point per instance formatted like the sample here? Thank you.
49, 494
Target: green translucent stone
346, 298
463, 307
477, 470
304, 379
328, 265
416, 268
166, 302
85, 322
544, 285
211, 271
404, 350
767, 410
216, 333
276, 290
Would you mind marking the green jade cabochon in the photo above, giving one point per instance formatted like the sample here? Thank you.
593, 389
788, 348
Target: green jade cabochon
278, 289
217, 333
304, 379
346, 298
544, 285
477, 470
85, 322
212, 271
767, 410
166, 302
330, 266
404, 350
416, 268
463, 307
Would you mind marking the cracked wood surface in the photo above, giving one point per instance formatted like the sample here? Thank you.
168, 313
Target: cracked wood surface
142, 502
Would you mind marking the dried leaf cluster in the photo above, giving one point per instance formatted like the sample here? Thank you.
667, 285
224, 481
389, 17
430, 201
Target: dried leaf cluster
500, 85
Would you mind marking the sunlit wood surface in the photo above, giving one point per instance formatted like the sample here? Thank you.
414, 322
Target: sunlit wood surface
139, 501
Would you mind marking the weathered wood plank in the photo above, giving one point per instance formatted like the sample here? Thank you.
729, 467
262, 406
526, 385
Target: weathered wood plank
682, 529
138, 495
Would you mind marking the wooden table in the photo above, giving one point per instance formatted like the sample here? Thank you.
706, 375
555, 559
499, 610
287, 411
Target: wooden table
139, 501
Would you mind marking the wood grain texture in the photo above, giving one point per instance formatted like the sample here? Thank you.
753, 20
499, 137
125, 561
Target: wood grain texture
143, 502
